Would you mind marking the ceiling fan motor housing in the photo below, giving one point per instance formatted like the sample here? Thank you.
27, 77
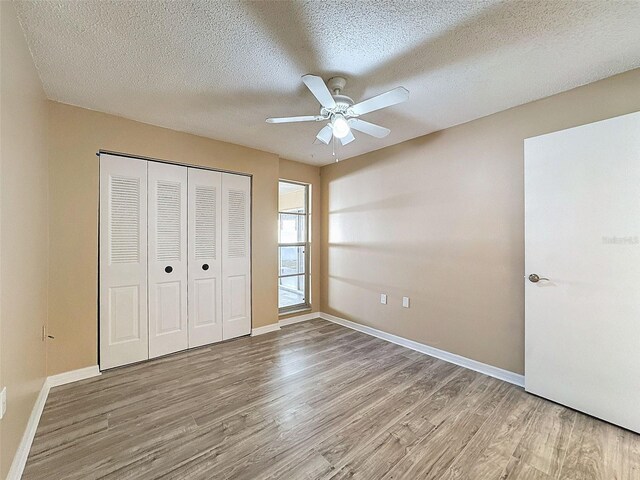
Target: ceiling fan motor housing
343, 103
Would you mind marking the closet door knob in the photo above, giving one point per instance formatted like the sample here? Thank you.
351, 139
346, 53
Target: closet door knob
205, 266
168, 269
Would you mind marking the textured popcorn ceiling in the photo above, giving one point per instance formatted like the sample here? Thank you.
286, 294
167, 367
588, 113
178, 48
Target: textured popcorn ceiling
218, 69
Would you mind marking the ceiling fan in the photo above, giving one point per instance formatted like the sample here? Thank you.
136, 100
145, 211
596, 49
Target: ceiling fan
342, 114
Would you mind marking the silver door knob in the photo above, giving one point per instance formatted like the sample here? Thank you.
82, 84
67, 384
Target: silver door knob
535, 278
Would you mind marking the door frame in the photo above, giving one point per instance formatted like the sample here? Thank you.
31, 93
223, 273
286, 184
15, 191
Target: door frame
102, 151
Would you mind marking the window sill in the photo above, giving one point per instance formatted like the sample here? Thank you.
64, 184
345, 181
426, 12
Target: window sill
293, 312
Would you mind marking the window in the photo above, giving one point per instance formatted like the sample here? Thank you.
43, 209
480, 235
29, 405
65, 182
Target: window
293, 246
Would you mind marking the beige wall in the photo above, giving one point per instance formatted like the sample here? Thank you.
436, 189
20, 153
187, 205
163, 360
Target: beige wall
23, 243
441, 219
76, 135
310, 174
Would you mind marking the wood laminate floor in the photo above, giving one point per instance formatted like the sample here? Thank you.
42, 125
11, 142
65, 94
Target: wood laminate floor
317, 401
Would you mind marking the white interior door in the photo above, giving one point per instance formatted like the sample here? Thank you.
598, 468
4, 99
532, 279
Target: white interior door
582, 204
123, 261
168, 330
205, 252
236, 255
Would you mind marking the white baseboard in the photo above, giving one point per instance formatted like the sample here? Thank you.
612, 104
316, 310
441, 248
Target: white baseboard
20, 458
298, 318
73, 376
465, 362
266, 329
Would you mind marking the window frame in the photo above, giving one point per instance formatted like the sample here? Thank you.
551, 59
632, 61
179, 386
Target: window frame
306, 244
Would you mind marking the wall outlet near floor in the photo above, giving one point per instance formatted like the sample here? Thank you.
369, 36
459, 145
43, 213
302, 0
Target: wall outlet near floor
405, 302
383, 298
3, 402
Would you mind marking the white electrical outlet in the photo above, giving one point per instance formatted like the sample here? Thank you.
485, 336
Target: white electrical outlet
383, 298
405, 302
3, 402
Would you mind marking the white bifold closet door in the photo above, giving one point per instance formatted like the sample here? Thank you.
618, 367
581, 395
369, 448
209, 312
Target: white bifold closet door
236, 255
205, 257
167, 226
123, 261
175, 258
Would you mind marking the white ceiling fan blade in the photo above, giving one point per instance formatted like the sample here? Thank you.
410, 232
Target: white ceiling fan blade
368, 128
319, 90
304, 118
325, 135
348, 138
392, 97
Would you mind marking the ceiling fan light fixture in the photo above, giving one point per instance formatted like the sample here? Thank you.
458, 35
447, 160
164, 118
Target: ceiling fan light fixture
340, 126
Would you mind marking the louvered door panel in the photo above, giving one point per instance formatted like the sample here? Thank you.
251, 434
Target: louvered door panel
205, 291
169, 210
168, 329
123, 261
236, 255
